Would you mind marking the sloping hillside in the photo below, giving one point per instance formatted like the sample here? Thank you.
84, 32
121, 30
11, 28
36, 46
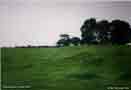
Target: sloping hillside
67, 68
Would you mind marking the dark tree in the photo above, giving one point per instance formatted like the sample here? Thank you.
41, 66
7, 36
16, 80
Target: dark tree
64, 41
65, 36
75, 41
103, 28
61, 42
120, 32
87, 30
100, 32
95, 32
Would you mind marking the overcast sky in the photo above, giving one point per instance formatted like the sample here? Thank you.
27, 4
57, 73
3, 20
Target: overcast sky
40, 22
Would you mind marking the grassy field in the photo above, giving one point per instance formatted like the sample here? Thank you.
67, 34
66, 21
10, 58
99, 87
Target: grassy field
67, 68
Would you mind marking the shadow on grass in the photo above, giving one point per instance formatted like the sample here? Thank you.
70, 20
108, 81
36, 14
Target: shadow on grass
83, 76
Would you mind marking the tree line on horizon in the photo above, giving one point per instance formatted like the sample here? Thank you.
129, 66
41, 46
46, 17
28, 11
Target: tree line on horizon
99, 32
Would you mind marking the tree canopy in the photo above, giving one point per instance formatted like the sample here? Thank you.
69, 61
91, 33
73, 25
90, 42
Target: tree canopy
100, 32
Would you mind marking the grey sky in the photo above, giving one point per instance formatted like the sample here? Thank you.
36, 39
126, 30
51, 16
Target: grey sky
36, 22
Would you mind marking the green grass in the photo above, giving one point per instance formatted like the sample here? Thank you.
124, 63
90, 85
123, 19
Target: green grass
67, 68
